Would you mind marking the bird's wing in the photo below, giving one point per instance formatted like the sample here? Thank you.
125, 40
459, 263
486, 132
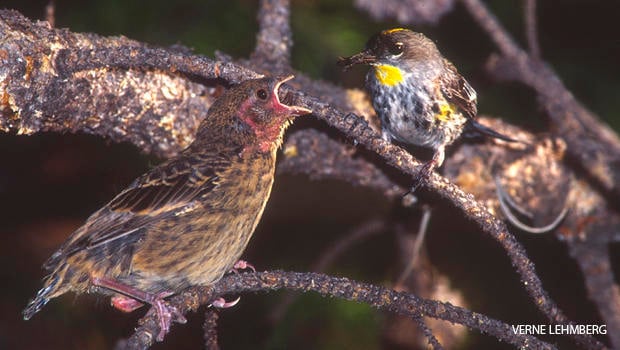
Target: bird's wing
458, 92
172, 185
166, 190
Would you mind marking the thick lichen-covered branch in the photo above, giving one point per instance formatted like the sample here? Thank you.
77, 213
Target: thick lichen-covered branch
312, 152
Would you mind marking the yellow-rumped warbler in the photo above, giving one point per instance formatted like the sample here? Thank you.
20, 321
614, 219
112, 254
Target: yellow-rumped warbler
419, 96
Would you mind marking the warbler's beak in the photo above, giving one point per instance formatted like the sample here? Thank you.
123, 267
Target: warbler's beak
364, 57
291, 110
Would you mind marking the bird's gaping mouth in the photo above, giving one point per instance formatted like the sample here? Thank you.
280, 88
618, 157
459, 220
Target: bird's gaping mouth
364, 57
291, 110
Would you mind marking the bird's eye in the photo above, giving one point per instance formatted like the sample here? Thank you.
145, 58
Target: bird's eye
396, 49
262, 94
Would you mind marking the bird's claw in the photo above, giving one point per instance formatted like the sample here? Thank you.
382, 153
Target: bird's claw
242, 265
132, 298
221, 303
354, 121
166, 313
422, 176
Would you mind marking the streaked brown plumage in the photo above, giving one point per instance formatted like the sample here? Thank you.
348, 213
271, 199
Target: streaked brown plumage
185, 222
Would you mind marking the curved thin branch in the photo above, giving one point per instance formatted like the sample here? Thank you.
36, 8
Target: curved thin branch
507, 205
416, 250
327, 258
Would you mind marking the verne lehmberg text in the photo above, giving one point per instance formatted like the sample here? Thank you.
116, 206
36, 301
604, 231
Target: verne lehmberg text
559, 329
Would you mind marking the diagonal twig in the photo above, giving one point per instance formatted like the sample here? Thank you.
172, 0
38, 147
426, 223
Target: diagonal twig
531, 27
594, 261
428, 333
210, 329
358, 234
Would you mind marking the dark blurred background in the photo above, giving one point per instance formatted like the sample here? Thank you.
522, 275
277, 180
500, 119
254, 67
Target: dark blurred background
50, 183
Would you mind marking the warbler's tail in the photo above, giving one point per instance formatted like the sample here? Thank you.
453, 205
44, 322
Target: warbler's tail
485, 130
52, 287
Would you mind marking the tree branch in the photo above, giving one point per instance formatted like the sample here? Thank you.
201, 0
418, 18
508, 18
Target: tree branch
314, 153
343, 288
327, 258
471, 209
594, 261
531, 28
590, 141
274, 39
210, 329
428, 333
54, 80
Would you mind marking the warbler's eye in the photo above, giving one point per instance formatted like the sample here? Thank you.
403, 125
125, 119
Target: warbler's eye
396, 49
262, 94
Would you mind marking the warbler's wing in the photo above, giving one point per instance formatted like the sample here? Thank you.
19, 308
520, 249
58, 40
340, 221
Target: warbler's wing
457, 91
164, 191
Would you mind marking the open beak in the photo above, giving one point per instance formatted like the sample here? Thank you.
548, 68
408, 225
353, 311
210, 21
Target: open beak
364, 57
291, 110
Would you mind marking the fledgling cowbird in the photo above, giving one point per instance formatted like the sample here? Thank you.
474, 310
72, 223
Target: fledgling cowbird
185, 222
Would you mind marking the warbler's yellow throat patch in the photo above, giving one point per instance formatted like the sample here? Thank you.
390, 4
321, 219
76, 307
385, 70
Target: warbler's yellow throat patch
388, 75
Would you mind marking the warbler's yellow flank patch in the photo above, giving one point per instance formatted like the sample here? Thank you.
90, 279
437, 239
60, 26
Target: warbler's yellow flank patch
390, 31
388, 75
445, 112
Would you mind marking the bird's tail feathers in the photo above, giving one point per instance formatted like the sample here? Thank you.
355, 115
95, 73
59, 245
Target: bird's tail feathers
485, 130
51, 289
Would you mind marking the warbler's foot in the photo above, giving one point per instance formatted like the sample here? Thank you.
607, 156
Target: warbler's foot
423, 175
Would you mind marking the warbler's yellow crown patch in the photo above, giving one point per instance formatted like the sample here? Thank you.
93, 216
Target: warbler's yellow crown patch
390, 31
388, 75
